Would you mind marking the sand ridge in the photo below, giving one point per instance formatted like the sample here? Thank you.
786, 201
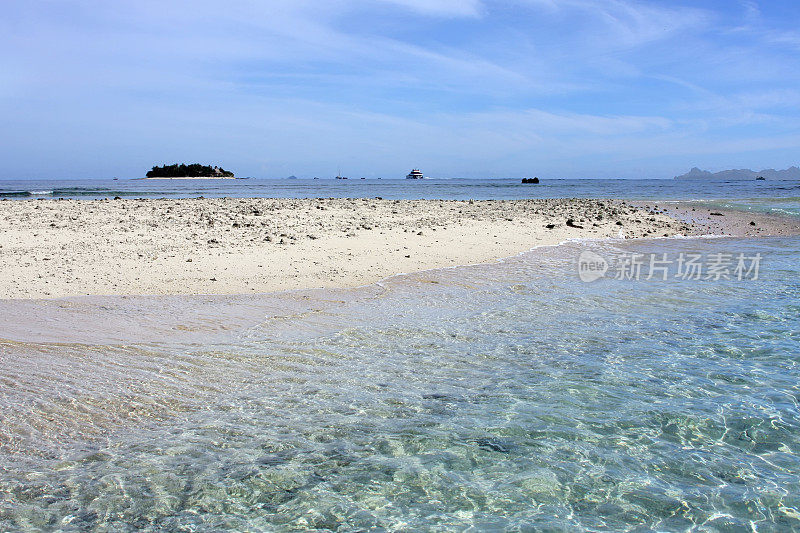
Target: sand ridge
57, 248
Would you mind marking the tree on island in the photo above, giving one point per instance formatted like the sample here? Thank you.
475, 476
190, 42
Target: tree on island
195, 170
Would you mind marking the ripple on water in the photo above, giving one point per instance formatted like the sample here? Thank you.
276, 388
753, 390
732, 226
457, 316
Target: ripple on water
507, 396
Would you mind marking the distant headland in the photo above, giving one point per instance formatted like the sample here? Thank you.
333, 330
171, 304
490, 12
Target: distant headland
791, 173
195, 171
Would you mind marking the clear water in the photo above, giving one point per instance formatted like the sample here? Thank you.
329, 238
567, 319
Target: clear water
509, 396
789, 206
456, 189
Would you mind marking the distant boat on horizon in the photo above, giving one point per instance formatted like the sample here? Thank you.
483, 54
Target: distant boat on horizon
415, 174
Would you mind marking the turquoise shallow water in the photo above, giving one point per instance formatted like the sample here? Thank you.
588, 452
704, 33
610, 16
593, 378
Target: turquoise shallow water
510, 396
444, 189
788, 206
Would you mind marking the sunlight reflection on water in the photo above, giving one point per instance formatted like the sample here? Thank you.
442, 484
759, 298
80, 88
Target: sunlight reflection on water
498, 396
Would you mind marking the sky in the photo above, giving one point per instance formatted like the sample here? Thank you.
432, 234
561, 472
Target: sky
457, 88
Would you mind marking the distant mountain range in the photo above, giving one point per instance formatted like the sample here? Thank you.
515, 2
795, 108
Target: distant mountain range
791, 173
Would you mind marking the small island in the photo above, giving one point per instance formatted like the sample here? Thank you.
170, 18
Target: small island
195, 171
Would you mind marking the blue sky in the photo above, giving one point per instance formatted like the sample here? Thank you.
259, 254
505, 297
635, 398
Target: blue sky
459, 88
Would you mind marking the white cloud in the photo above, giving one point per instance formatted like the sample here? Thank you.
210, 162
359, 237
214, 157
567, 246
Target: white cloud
458, 8
622, 23
490, 85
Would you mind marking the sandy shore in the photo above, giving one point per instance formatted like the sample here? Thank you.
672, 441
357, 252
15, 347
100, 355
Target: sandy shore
52, 248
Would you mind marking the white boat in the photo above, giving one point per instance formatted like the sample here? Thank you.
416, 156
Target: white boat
415, 175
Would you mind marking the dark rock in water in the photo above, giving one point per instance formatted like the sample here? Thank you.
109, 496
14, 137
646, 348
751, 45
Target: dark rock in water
493, 445
571, 223
435, 396
717, 214
276, 459
85, 518
118, 198
730, 477
530, 180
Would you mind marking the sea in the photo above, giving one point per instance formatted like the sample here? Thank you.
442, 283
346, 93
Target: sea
519, 395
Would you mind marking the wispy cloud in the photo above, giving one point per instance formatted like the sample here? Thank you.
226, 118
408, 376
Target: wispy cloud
459, 8
625, 23
281, 87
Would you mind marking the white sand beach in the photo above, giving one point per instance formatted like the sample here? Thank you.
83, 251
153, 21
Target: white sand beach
53, 248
